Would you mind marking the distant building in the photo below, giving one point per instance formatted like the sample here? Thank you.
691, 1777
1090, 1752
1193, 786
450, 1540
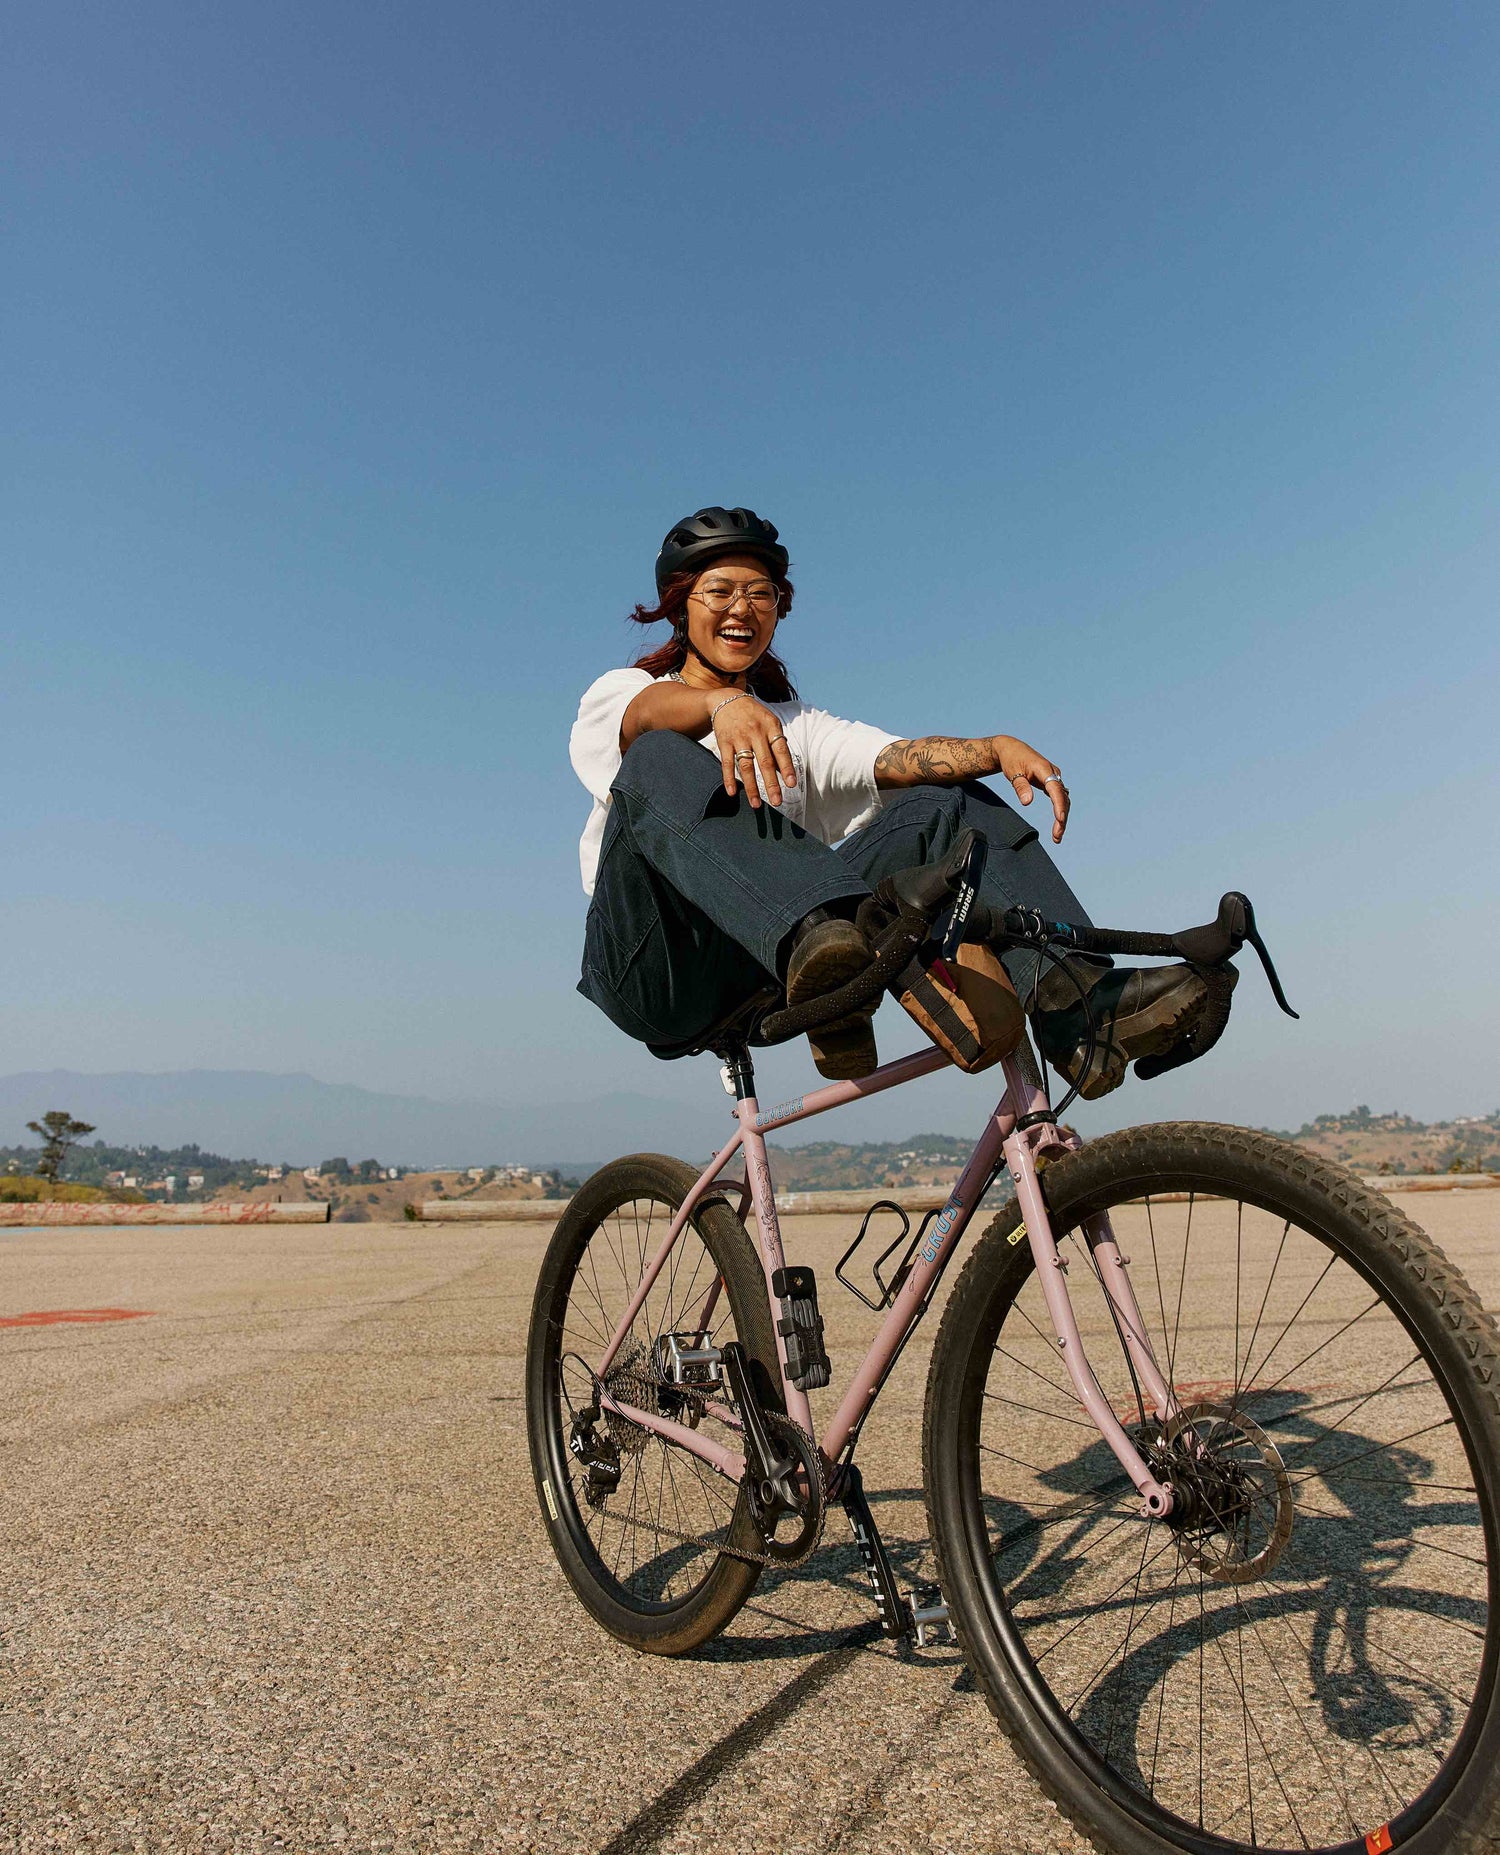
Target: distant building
311, 1174
195, 1181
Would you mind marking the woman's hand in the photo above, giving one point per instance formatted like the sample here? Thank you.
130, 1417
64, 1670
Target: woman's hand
748, 737
946, 760
1026, 769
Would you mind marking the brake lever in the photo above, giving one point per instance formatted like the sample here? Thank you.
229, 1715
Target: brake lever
952, 935
1252, 934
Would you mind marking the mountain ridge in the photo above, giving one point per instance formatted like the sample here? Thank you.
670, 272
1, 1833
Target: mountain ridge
296, 1118
292, 1117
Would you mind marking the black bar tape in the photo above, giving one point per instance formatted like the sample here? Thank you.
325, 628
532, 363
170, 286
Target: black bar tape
895, 948
1118, 940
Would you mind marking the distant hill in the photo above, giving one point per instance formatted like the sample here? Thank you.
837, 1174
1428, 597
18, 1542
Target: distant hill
1369, 1143
297, 1119
830, 1165
1396, 1143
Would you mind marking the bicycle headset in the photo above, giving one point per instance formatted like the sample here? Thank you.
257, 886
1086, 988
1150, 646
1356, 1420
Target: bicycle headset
695, 540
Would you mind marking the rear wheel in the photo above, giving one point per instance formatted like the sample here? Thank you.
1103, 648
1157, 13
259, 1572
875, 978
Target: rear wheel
642, 1528
1304, 1656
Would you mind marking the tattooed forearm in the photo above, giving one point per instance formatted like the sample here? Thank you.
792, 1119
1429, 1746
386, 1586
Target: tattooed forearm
935, 760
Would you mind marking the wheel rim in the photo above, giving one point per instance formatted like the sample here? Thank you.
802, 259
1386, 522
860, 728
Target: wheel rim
1303, 1656
657, 1536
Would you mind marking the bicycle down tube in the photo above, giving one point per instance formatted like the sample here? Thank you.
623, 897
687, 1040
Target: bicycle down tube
1001, 1135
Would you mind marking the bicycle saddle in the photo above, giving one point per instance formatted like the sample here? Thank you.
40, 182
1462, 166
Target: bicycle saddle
732, 1032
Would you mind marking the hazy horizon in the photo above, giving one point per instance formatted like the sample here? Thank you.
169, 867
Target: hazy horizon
262, 1115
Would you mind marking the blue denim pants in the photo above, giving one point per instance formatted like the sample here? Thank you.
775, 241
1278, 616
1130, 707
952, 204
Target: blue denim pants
698, 893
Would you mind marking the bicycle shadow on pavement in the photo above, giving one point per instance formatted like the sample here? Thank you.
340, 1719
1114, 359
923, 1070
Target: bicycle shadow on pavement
1335, 1590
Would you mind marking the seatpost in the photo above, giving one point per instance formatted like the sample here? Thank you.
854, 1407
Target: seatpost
738, 1071
739, 1079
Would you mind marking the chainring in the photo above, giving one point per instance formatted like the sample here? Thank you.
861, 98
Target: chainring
632, 1380
813, 1477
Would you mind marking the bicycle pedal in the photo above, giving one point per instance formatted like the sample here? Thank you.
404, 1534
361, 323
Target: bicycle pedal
929, 1615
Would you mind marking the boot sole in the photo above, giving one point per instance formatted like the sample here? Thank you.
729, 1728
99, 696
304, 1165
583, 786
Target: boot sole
1148, 1032
825, 970
845, 1050
845, 1055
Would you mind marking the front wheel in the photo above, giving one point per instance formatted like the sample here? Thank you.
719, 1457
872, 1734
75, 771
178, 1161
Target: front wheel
1304, 1656
645, 1531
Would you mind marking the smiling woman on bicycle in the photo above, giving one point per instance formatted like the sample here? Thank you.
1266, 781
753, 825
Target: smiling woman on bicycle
736, 829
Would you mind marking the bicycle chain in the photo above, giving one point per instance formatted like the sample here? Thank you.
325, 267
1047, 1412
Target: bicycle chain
777, 1425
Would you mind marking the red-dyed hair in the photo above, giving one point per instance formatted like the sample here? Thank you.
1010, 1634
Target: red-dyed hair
768, 677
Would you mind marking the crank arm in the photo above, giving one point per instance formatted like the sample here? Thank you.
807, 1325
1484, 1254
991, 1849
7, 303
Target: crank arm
761, 1458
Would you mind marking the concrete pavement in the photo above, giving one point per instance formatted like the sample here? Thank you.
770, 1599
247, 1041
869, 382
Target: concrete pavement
275, 1579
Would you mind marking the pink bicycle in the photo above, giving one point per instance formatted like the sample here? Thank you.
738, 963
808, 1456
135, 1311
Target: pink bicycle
1210, 1445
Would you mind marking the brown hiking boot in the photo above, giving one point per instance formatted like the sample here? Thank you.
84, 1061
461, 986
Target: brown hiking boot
1137, 1011
827, 953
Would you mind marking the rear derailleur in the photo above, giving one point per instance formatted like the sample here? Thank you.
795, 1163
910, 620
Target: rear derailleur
598, 1454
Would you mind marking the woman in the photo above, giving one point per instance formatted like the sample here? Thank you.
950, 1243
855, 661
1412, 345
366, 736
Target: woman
716, 872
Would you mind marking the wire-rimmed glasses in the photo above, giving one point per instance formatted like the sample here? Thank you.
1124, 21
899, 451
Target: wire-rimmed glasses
762, 594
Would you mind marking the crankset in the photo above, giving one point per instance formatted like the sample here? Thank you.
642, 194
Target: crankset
784, 1480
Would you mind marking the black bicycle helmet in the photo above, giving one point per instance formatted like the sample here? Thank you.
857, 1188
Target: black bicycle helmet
694, 541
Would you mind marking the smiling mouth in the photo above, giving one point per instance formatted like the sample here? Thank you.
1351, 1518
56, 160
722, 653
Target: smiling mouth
736, 634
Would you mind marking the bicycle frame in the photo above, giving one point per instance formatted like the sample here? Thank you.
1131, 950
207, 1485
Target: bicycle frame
1019, 1129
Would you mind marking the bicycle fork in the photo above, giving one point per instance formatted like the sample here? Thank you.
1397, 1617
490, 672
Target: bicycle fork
1051, 1269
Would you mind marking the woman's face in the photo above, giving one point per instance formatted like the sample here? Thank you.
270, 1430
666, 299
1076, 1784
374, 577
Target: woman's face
732, 613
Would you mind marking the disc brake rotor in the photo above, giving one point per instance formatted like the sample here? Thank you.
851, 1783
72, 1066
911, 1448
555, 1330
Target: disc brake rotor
1234, 1511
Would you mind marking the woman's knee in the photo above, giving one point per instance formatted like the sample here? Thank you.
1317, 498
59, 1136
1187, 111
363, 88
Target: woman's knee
658, 751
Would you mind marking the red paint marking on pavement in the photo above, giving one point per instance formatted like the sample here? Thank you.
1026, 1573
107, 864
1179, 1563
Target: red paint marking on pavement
54, 1315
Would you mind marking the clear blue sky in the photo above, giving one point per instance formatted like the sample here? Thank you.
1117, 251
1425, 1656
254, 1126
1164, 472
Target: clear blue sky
1121, 377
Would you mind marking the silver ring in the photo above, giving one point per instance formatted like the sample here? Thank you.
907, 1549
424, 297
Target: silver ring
774, 739
744, 756
1053, 779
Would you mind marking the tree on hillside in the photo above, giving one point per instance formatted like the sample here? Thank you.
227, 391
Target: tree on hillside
58, 1131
